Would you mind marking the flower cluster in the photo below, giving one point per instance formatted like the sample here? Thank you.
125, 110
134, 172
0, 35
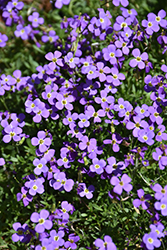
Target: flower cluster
93, 116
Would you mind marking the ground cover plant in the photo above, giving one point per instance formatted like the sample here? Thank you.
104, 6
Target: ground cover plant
83, 125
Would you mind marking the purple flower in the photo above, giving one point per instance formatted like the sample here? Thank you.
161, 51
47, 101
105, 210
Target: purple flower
123, 2
151, 240
59, 3
56, 238
3, 39
104, 98
97, 166
72, 61
46, 244
55, 59
160, 135
91, 72
155, 114
49, 94
84, 191
83, 121
102, 70
146, 136
51, 37
142, 201
35, 19
162, 205
120, 185
116, 139
17, 5
72, 238
40, 166
107, 244
122, 23
64, 101
160, 192
20, 232
90, 111
12, 132
35, 186
136, 126
139, 58
61, 181
113, 165
23, 195
66, 207
41, 220
2, 161
151, 25
116, 77
111, 53
158, 229
22, 32
42, 141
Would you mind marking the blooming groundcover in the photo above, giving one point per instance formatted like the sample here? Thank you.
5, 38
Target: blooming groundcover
83, 125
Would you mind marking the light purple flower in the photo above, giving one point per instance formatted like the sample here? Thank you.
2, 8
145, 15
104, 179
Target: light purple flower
41, 220
97, 166
55, 59
3, 39
139, 58
84, 191
42, 141
120, 185
59, 3
162, 205
151, 240
143, 199
71, 60
35, 19
107, 244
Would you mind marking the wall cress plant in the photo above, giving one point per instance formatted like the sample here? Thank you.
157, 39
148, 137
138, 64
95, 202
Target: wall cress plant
83, 125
